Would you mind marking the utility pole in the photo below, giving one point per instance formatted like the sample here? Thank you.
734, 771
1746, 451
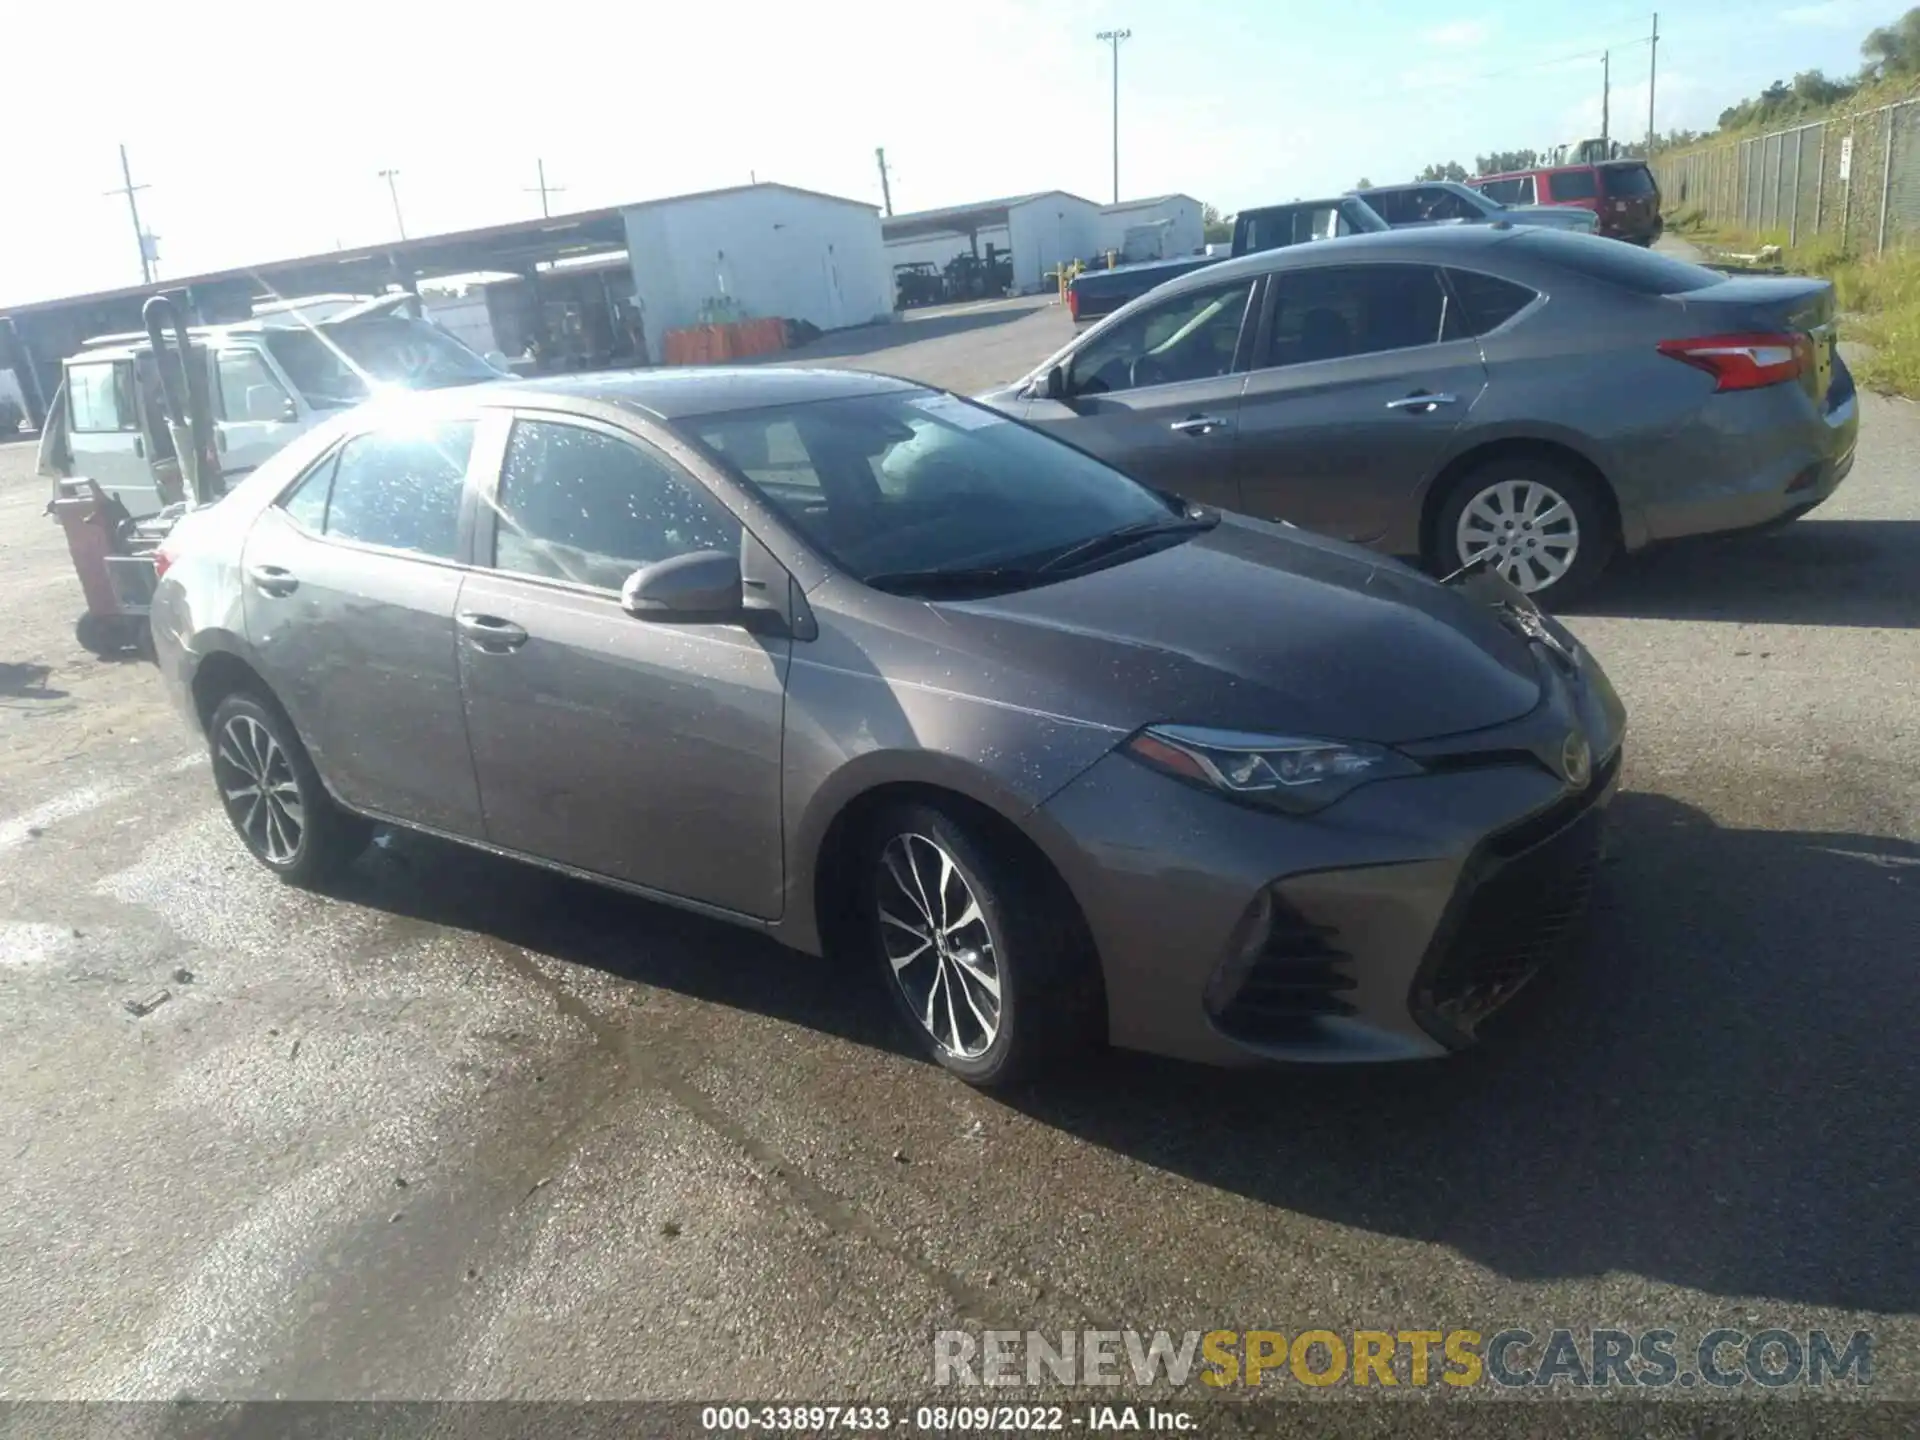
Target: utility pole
1606, 99
1113, 38
886, 190
1653, 66
129, 189
394, 191
544, 188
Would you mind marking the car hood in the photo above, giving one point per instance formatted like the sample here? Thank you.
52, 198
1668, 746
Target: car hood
1258, 627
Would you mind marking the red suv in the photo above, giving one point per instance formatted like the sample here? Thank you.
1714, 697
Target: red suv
1622, 193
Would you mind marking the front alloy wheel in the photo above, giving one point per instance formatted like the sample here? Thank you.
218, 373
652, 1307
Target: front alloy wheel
981, 946
939, 946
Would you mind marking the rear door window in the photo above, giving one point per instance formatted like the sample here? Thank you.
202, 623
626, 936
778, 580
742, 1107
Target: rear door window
1572, 185
401, 488
1518, 191
1330, 312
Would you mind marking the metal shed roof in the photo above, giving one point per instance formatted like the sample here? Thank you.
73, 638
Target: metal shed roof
964, 219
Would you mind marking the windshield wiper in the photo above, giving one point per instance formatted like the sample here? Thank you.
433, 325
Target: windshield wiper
961, 578
1114, 541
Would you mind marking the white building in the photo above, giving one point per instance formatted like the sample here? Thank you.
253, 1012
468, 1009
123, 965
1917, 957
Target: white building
1040, 231
764, 251
1173, 223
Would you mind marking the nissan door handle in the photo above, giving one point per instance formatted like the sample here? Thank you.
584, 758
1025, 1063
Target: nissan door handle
273, 579
1198, 425
1422, 402
490, 632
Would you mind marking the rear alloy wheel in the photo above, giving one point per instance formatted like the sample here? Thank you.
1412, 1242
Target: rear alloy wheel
273, 795
984, 959
1533, 522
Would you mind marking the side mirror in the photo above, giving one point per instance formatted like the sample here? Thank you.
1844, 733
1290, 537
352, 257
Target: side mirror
703, 587
1052, 385
289, 412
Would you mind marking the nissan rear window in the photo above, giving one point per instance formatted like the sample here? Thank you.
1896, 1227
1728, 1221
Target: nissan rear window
1628, 180
1572, 184
1627, 267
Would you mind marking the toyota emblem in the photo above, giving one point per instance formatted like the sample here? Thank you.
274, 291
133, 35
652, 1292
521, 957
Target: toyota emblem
1576, 760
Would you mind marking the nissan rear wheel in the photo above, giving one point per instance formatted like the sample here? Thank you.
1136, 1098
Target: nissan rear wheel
273, 795
1537, 523
985, 958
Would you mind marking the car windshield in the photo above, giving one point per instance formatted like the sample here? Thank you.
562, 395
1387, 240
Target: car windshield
921, 484
337, 365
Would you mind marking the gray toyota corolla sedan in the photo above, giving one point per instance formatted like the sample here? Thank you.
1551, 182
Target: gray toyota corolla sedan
1534, 400
870, 667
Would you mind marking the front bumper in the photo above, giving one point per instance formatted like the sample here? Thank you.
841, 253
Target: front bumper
1387, 927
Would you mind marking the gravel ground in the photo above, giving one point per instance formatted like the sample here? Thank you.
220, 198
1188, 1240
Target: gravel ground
462, 1129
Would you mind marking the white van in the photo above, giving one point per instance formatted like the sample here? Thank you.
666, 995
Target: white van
267, 378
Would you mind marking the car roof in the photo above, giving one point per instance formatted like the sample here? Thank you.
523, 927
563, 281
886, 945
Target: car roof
670, 393
1435, 246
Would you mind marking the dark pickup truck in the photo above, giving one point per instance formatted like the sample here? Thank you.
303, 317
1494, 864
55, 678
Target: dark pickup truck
1097, 293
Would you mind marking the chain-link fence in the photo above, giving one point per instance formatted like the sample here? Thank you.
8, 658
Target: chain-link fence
1854, 179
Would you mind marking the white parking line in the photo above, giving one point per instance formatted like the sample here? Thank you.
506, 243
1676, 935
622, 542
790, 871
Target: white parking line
22, 828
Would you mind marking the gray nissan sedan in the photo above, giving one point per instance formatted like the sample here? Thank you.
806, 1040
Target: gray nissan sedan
876, 669
1532, 400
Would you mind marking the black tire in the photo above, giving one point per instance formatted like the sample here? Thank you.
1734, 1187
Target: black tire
1050, 1004
328, 838
100, 635
1598, 537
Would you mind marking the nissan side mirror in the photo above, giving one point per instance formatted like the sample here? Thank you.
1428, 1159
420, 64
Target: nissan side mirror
1053, 384
702, 588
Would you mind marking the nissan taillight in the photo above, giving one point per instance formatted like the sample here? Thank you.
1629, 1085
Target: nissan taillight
1744, 362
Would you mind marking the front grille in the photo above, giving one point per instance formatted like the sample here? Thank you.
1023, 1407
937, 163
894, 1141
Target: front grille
1297, 976
1514, 912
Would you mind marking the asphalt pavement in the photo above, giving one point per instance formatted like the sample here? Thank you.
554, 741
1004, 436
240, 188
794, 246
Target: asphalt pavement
462, 1129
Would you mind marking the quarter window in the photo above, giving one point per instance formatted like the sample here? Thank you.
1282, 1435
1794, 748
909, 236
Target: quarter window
1192, 336
401, 488
100, 396
1334, 311
1482, 303
579, 505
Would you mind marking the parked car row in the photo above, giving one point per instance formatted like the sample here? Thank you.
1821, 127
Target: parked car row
1029, 700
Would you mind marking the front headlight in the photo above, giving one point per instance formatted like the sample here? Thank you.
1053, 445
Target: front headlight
1296, 773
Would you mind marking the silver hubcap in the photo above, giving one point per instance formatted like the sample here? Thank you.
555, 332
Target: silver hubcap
1526, 530
937, 942
256, 782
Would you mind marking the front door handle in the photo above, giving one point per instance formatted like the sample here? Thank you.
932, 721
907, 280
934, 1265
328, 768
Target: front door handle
1198, 425
491, 633
273, 579
1421, 402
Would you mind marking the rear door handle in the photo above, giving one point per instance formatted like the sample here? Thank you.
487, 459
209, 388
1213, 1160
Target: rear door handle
1421, 402
273, 579
491, 633
1198, 425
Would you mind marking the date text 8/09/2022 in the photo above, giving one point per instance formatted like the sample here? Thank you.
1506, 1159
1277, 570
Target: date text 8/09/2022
940, 1419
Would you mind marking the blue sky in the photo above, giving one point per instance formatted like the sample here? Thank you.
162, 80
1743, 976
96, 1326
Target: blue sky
1235, 101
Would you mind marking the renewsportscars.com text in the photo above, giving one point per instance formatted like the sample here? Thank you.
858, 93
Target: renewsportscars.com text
1515, 1357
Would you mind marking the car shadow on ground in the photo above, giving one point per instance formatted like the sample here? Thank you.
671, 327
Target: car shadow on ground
1717, 1092
1814, 572
623, 935
26, 681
